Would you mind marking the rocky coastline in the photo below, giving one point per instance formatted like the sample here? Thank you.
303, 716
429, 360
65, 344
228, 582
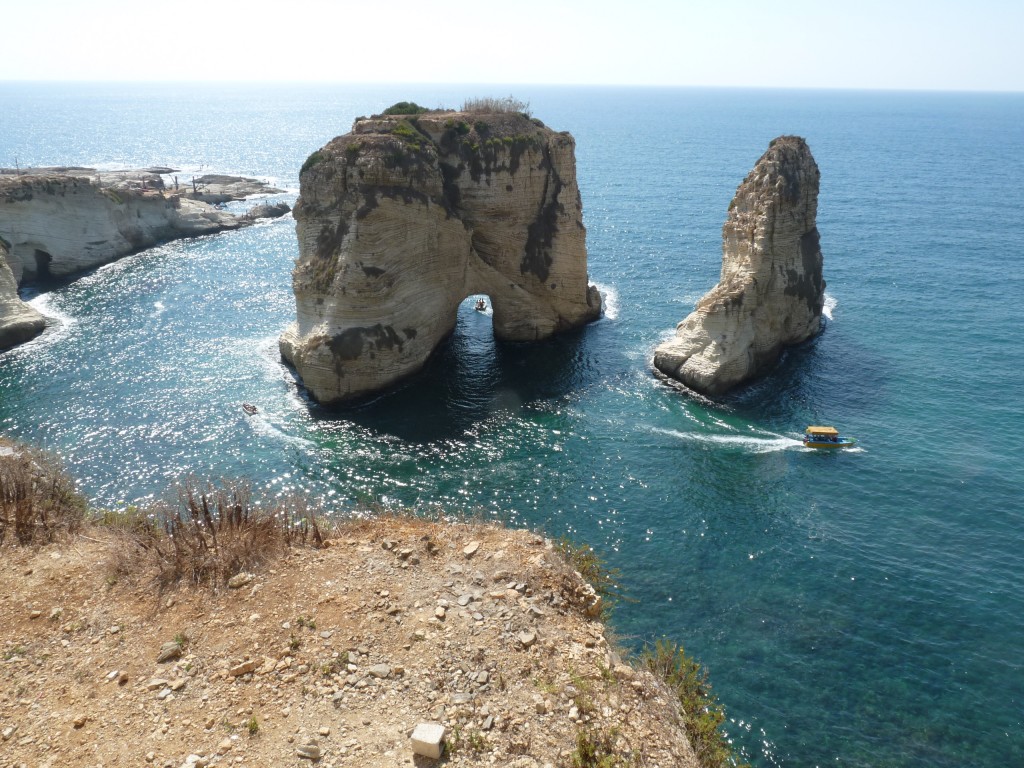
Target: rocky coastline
58, 222
19, 322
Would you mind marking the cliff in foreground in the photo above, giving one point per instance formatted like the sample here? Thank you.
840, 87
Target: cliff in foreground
403, 218
334, 653
771, 290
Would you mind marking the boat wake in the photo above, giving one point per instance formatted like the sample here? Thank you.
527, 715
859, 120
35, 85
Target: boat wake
770, 443
264, 428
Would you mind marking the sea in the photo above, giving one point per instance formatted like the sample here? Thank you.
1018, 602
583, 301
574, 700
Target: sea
853, 608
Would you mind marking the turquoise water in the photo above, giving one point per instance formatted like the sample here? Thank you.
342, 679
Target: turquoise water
861, 608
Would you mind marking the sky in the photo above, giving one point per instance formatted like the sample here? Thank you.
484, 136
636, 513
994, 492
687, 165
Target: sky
870, 44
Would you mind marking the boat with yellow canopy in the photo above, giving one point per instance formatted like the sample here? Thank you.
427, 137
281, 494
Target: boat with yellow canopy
826, 437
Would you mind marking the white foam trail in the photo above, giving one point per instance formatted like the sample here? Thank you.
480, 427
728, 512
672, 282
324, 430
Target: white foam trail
261, 426
830, 304
750, 443
609, 300
159, 308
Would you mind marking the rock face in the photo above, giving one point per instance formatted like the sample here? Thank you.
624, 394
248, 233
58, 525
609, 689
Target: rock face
18, 321
62, 222
404, 217
771, 290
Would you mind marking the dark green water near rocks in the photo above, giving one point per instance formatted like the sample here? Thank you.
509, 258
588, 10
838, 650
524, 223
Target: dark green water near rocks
862, 608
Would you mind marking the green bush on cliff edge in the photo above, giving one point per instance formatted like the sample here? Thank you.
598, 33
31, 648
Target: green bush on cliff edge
703, 715
405, 108
313, 159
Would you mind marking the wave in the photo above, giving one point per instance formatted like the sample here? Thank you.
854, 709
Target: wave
609, 300
58, 324
830, 304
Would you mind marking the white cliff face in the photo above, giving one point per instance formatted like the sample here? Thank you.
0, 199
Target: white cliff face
402, 219
18, 321
60, 224
771, 290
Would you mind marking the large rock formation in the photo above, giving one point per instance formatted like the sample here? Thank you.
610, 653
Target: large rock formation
404, 217
18, 321
65, 220
771, 289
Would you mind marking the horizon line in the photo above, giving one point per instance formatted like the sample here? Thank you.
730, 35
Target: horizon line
385, 84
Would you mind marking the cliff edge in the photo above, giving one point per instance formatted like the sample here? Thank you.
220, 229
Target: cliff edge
329, 657
771, 290
401, 219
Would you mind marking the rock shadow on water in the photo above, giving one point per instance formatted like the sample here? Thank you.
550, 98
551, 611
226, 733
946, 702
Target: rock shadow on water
829, 373
470, 379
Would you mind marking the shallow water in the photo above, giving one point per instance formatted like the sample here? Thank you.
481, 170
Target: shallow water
855, 608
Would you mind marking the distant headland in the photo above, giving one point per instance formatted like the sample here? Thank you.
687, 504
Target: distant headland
57, 222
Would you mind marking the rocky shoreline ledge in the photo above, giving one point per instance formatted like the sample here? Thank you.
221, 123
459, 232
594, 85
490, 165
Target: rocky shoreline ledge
57, 222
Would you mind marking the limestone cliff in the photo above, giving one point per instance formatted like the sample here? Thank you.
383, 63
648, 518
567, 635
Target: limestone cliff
404, 217
771, 289
60, 223
18, 321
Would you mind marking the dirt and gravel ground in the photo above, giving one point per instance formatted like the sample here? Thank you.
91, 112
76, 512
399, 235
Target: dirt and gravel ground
328, 657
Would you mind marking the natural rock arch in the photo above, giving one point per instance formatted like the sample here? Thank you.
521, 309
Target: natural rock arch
403, 218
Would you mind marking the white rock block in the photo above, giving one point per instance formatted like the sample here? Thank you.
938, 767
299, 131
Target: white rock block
428, 739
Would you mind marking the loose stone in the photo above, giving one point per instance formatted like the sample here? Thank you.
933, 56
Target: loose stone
310, 750
427, 739
168, 651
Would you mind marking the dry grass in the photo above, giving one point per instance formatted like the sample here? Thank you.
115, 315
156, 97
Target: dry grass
38, 501
492, 106
210, 535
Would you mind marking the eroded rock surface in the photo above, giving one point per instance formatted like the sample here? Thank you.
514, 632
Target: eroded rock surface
404, 217
64, 220
18, 321
771, 290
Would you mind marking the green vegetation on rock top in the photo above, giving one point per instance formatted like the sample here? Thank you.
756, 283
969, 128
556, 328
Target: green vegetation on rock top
406, 108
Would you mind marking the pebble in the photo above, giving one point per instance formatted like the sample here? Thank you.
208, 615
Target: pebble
239, 580
471, 549
310, 751
168, 651
245, 667
527, 638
